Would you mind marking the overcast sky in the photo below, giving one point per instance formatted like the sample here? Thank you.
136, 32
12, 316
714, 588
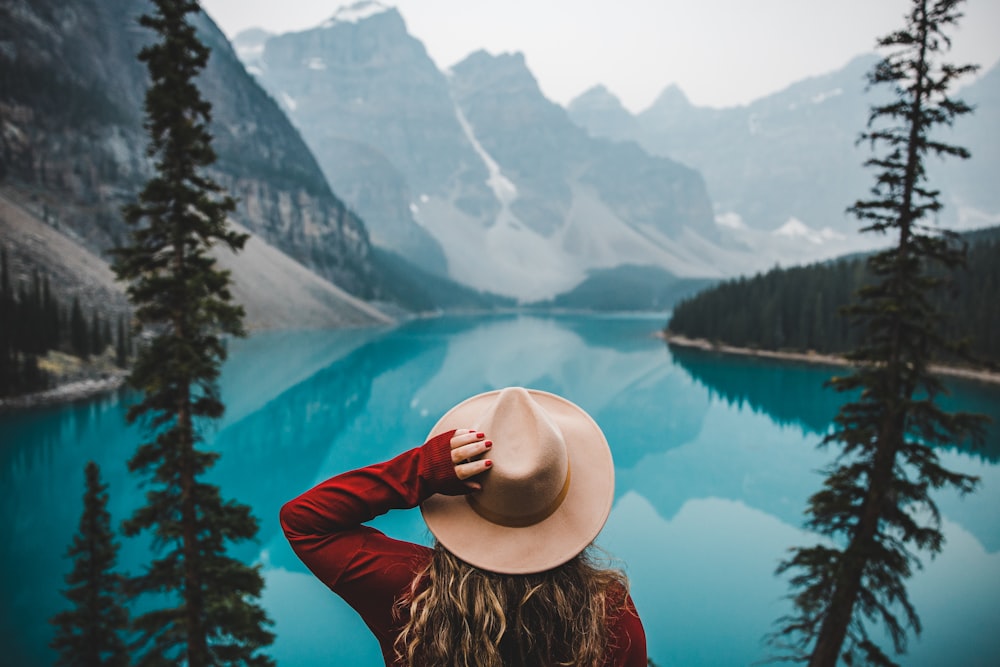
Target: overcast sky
720, 52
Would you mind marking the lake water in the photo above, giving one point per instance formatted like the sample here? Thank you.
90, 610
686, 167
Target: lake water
715, 459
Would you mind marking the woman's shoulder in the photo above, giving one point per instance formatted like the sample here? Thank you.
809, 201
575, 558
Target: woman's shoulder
627, 637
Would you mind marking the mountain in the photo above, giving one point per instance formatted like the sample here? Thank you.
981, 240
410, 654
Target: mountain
72, 146
376, 112
473, 173
789, 162
276, 291
603, 115
569, 204
970, 186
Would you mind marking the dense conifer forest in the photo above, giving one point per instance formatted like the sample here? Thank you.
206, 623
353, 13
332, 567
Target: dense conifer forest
799, 308
34, 322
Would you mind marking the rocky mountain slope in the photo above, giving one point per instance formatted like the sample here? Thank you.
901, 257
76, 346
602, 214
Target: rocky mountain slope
473, 172
375, 111
788, 162
72, 145
275, 290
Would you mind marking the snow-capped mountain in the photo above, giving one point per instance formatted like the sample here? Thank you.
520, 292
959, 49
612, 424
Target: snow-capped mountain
376, 112
474, 172
791, 157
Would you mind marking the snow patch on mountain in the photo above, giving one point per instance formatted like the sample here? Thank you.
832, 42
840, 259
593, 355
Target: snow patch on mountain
822, 97
315, 63
288, 101
747, 250
503, 189
970, 217
730, 220
249, 52
250, 44
795, 228
359, 11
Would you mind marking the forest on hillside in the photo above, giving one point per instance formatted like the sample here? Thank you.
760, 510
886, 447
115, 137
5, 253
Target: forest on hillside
34, 323
799, 308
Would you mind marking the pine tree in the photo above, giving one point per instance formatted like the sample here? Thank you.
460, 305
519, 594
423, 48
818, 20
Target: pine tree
181, 297
121, 343
90, 633
8, 359
50, 310
875, 503
95, 345
78, 341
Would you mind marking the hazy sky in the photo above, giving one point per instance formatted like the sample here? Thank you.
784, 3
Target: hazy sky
720, 52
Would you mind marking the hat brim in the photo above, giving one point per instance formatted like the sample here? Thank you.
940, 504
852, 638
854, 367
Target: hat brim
552, 541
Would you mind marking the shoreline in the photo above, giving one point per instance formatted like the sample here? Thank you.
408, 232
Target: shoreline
69, 392
979, 375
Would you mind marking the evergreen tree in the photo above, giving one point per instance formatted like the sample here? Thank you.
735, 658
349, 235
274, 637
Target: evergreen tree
50, 316
8, 360
96, 344
875, 503
78, 340
121, 343
180, 296
90, 634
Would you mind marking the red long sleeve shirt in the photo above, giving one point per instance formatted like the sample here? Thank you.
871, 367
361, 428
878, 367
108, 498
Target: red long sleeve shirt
370, 570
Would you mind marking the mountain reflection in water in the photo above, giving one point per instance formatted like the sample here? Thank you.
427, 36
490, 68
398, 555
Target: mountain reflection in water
715, 458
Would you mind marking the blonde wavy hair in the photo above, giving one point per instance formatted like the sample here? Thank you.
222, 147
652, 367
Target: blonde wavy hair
459, 616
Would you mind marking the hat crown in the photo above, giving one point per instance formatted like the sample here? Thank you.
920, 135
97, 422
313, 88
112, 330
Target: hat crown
530, 471
548, 493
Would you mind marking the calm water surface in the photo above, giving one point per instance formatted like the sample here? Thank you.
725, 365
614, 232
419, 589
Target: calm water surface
715, 458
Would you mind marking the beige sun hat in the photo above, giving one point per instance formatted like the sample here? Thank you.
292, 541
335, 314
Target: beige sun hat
548, 493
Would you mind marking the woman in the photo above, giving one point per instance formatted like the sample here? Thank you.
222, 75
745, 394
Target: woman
514, 485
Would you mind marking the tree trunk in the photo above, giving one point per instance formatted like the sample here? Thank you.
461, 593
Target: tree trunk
838, 615
197, 649
193, 603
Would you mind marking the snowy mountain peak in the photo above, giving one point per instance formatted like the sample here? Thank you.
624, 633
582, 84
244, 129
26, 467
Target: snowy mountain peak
795, 228
356, 12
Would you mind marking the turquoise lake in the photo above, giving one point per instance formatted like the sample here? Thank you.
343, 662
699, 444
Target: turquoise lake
715, 458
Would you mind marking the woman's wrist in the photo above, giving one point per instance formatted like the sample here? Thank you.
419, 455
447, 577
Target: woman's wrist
437, 468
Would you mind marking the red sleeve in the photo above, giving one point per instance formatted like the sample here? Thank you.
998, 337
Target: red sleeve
631, 638
362, 565
627, 637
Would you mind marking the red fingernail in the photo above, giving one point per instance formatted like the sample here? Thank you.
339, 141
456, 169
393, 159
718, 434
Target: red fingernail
488, 443
480, 435
488, 463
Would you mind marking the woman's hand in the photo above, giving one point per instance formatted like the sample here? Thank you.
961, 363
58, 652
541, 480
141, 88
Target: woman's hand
466, 445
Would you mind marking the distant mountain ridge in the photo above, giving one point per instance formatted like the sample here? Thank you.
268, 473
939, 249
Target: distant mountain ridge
473, 173
469, 175
791, 156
